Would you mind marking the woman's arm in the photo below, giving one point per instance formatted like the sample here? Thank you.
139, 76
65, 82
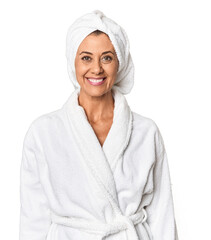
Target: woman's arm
161, 217
34, 213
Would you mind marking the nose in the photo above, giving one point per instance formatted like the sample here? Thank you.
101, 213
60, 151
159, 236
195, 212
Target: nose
97, 67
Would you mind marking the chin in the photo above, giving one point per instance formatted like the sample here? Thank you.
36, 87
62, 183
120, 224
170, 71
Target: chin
95, 92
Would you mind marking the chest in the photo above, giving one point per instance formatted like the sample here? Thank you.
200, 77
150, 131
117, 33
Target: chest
101, 129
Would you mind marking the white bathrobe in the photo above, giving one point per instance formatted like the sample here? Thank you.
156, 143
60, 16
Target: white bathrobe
71, 188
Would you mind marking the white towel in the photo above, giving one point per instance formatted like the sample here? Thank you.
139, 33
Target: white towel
85, 25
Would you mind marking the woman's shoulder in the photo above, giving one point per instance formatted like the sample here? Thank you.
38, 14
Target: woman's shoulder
144, 122
47, 120
148, 127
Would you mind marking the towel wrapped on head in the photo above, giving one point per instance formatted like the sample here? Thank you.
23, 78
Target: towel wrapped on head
87, 24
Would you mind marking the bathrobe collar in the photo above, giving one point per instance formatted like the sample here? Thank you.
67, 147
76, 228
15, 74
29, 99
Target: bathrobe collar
101, 160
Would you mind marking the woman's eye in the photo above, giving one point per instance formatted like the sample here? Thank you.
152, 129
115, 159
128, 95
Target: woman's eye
86, 58
107, 58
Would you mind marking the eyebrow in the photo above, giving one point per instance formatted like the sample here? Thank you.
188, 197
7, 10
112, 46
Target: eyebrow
92, 54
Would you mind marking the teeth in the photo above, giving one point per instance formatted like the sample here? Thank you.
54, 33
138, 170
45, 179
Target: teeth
95, 80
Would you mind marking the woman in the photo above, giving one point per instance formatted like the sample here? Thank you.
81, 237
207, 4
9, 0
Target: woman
94, 169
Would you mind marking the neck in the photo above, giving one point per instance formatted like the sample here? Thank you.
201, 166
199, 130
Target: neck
97, 108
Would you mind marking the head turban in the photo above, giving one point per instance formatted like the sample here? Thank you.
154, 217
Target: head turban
85, 25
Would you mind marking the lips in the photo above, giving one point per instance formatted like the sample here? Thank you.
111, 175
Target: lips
96, 81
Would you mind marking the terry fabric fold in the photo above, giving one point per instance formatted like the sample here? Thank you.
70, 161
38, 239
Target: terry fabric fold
101, 161
97, 20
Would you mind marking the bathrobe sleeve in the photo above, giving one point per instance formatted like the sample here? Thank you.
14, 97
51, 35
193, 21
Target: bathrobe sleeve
161, 218
34, 214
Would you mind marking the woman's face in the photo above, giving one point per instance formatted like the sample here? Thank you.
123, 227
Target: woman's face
96, 65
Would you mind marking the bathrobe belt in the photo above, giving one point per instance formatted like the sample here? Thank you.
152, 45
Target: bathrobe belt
120, 223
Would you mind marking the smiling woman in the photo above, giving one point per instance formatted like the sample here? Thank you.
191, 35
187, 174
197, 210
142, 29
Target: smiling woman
96, 64
94, 169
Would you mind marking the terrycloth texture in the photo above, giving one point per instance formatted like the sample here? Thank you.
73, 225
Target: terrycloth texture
72, 188
102, 163
88, 23
119, 224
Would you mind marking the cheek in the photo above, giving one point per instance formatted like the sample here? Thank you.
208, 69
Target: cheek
112, 70
81, 69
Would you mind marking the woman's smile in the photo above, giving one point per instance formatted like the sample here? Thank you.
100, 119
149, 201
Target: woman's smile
96, 81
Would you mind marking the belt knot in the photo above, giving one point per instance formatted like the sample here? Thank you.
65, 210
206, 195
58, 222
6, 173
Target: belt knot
121, 222
131, 221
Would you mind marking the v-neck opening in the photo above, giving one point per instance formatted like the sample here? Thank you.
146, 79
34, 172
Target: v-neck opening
106, 139
117, 138
109, 132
